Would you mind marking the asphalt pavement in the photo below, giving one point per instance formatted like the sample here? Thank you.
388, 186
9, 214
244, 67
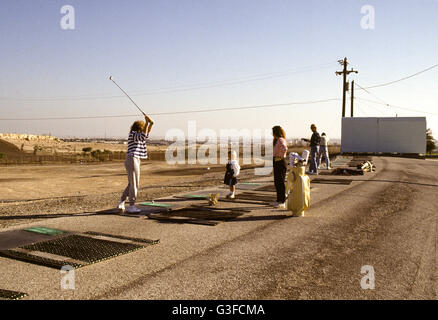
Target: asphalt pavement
385, 220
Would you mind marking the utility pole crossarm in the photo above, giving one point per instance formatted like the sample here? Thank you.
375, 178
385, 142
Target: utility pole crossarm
344, 72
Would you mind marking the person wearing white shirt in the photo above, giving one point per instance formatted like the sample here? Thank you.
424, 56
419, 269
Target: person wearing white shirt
233, 170
323, 151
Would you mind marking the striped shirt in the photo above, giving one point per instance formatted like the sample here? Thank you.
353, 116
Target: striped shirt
137, 144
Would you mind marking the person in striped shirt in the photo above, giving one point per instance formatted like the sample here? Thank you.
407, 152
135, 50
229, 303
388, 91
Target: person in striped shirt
136, 151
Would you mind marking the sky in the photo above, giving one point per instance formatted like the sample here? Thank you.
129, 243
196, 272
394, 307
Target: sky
179, 55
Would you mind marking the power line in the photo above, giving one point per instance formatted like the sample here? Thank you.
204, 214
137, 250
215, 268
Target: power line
404, 78
369, 106
178, 112
399, 107
370, 93
196, 86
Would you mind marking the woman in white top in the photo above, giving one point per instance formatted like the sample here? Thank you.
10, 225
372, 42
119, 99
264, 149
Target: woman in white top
136, 151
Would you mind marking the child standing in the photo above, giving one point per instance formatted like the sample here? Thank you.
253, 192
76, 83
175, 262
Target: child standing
233, 170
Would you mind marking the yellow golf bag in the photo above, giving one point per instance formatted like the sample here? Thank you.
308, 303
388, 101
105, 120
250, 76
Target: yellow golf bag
298, 190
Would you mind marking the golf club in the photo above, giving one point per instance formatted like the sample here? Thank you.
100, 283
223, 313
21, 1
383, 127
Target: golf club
112, 79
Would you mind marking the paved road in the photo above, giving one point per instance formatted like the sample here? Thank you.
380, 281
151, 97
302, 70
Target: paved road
387, 220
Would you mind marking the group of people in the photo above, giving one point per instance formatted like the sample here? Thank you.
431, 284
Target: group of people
318, 149
140, 131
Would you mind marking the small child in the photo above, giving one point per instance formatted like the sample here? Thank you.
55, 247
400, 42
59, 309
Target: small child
233, 170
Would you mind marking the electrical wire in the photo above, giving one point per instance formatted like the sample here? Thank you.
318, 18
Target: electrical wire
402, 79
196, 86
370, 93
369, 106
178, 112
399, 107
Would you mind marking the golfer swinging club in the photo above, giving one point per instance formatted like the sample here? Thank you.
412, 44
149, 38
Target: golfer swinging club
136, 151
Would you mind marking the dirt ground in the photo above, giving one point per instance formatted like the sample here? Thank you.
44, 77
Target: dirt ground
27, 191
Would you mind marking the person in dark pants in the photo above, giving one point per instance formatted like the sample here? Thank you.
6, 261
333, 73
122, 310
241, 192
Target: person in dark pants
314, 150
280, 166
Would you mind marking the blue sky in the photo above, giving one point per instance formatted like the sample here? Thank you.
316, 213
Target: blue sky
152, 45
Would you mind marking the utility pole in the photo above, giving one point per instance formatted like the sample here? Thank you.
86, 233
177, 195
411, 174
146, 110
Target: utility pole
352, 98
344, 72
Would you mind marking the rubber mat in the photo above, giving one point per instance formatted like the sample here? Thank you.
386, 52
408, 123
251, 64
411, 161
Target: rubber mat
76, 250
141, 240
332, 181
195, 196
43, 230
17, 238
199, 215
156, 204
250, 183
256, 197
11, 295
269, 187
182, 220
41, 261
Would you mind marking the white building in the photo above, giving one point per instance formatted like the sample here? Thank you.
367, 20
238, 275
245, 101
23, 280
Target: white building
386, 135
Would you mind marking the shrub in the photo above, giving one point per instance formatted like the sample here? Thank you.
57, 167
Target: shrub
430, 142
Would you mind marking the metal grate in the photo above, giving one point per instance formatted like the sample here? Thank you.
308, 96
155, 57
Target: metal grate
11, 295
83, 248
41, 261
141, 240
76, 250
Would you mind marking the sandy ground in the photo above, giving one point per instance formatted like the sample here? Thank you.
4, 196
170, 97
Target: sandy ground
50, 146
32, 190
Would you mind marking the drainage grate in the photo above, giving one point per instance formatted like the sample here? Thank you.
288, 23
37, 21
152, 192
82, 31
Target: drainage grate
332, 181
76, 250
11, 295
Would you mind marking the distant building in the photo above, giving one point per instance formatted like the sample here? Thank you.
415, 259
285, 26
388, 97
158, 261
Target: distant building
384, 135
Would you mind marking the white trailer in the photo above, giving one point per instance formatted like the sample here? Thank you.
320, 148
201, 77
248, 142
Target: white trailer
384, 135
